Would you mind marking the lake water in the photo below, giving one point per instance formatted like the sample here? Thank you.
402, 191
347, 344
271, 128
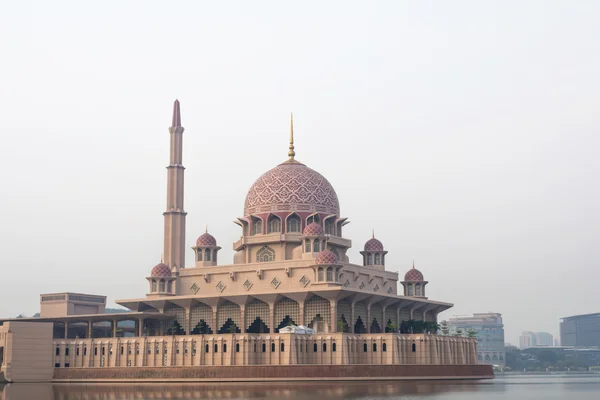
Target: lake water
570, 387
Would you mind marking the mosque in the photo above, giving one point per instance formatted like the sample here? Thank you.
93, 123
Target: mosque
292, 304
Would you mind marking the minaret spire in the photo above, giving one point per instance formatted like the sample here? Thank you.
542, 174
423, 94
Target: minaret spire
176, 114
291, 153
174, 244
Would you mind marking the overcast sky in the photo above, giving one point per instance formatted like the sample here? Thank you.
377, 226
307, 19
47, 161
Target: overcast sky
466, 133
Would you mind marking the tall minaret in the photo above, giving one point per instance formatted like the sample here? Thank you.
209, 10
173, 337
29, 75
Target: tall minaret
175, 215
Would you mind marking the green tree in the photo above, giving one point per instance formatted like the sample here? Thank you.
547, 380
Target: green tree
391, 327
444, 328
459, 332
471, 333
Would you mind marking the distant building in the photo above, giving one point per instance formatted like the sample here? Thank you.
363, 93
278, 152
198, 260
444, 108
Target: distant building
556, 342
580, 330
489, 330
535, 339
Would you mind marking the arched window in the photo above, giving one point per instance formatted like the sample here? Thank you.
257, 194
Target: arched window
414, 348
369, 259
293, 224
153, 285
384, 347
316, 246
256, 226
57, 351
207, 255
321, 278
199, 251
206, 348
224, 347
324, 347
266, 254
95, 351
337, 275
216, 348
329, 227
237, 347
313, 218
333, 347
315, 348
365, 347
215, 256
272, 347
282, 347
377, 259
274, 224
84, 350
161, 286
77, 351
264, 347
374, 347
170, 286
418, 289
307, 246
410, 289
329, 274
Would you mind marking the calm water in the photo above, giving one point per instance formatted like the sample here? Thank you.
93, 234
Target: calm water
513, 388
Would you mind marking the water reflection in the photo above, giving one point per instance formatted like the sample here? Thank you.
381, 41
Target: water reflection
296, 391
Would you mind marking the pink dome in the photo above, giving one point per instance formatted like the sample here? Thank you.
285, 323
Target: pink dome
291, 186
413, 275
373, 245
313, 229
161, 270
326, 257
206, 239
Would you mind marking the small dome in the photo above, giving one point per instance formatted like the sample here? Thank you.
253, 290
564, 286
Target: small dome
326, 257
413, 275
161, 270
206, 239
313, 229
373, 245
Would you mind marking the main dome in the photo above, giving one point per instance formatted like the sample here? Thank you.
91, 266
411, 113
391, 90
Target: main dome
291, 186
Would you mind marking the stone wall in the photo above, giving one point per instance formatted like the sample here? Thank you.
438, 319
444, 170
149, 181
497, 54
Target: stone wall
264, 349
267, 372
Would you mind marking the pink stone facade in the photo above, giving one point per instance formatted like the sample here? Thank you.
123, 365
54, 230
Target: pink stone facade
291, 267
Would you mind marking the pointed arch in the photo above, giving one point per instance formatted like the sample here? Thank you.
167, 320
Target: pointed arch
256, 313
257, 225
273, 224
287, 312
329, 223
317, 312
293, 223
228, 314
359, 327
201, 316
313, 218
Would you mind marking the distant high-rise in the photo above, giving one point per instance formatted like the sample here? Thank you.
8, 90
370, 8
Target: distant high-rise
489, 330
580, 330
535, 339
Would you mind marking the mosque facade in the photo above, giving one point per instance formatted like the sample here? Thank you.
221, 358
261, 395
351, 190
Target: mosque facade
291, 297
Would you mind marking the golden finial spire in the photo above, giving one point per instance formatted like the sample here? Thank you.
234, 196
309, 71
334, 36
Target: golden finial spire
373, 233
413, 264
205, 228
161, 258
291, 153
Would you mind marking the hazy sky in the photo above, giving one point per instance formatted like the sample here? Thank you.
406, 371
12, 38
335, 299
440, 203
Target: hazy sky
466, 133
